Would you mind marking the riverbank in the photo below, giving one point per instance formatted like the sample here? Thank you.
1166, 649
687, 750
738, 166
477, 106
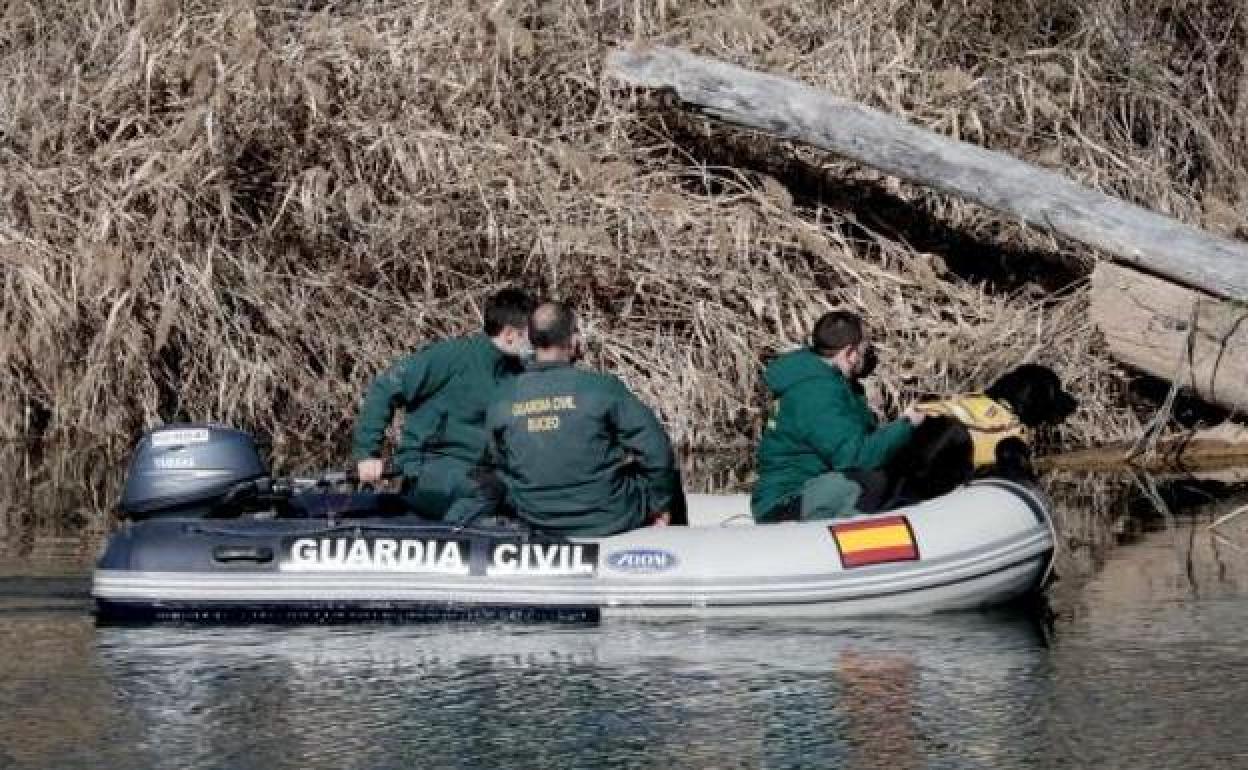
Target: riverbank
241, 212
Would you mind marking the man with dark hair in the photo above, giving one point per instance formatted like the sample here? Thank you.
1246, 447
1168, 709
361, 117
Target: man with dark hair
576, 452
445, 390
821, 427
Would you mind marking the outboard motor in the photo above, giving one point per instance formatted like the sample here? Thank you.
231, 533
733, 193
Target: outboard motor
189, 470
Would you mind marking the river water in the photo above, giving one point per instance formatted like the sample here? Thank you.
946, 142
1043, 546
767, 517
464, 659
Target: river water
1145, 665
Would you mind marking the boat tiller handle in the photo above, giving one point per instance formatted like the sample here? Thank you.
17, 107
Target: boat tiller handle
254, 554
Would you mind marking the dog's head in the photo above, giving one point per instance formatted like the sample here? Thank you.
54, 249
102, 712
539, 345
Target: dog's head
1035, 394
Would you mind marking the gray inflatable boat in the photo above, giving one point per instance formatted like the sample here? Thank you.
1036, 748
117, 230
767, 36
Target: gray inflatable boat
201, 550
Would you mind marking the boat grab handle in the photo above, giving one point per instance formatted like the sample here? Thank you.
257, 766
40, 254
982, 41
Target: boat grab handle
244, 553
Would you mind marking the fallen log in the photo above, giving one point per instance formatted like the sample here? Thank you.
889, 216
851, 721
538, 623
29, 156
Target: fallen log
1171, 456
1221, 447
788, 109
1174, 333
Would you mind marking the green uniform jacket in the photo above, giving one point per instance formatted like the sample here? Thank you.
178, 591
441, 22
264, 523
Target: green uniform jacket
445, 390
819, 423
560, 438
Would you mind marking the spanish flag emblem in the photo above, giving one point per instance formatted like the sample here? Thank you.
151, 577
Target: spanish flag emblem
877, 541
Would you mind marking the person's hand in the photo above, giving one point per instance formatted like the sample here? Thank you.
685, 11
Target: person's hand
661, 519
370, 470
914, 415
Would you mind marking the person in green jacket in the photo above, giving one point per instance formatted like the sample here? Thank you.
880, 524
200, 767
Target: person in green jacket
444, 390
575, 451
821, 426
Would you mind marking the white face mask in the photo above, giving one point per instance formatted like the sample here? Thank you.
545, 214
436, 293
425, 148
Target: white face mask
518, 347
522, 348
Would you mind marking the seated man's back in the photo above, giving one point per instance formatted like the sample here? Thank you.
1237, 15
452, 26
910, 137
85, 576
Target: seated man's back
444, 390
577, 452
821, 428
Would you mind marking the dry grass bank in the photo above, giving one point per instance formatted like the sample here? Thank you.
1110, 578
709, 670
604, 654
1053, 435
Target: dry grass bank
239, 212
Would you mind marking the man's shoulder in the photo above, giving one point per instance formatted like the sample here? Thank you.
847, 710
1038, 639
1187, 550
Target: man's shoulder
822, 388
462, 344
449, 348
818, 401
594, 382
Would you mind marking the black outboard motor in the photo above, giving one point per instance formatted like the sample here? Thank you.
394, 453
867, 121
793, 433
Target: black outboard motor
189, 470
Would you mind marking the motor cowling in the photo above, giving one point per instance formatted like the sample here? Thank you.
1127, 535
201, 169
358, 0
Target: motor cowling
188, 470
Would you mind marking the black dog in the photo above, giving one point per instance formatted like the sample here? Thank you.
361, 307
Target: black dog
941, 455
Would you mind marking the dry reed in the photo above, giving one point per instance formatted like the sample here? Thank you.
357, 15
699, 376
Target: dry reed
240, 212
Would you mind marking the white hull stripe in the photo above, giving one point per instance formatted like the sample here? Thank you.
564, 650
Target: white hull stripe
978, 590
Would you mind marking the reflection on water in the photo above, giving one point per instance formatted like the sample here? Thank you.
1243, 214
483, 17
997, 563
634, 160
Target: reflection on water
1156, 647
910, 694
1146, 687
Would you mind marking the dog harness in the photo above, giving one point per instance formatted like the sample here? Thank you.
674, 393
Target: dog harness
988, 421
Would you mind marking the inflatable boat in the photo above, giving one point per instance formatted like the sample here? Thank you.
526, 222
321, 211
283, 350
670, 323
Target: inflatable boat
212, 538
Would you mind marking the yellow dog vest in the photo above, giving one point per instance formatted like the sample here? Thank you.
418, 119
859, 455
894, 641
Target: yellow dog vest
988, 421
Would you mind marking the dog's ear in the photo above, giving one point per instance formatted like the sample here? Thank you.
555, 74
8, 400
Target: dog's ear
1017, 389
1051, 403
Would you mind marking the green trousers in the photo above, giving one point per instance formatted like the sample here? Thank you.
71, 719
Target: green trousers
830, 496
433, 486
